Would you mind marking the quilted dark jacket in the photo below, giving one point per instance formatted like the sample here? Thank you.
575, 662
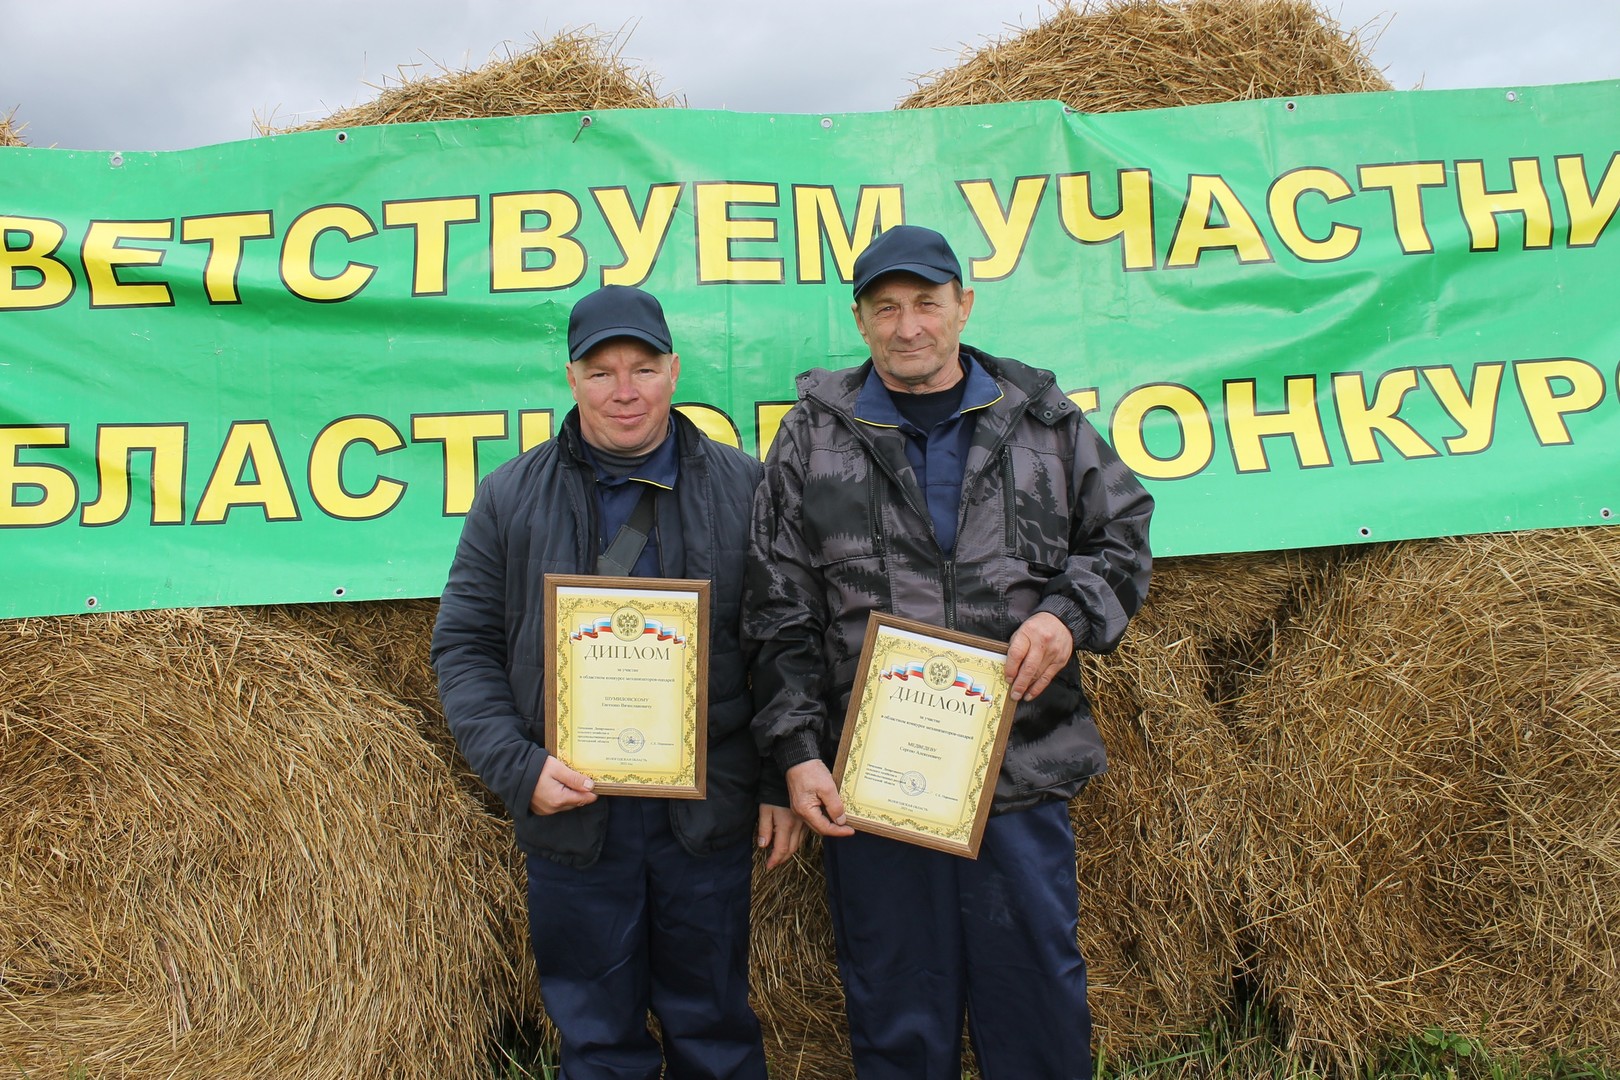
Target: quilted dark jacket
535, 515
1050, 520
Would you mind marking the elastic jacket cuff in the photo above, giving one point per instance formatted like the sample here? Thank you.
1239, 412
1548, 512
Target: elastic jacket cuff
1071, 614
796, 749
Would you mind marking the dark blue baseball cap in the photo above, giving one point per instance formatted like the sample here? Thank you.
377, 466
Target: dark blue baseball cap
617, 311
911, 249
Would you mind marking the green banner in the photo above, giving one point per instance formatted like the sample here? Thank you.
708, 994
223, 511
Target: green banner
273, 370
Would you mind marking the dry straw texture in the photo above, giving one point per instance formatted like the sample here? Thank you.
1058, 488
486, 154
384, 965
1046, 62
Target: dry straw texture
11, 131
575, 70
1146, 54
793, 975
1157, 836
226, 856
1432, 834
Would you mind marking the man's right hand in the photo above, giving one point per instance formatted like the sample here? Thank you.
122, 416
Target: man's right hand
560, 788
814, 797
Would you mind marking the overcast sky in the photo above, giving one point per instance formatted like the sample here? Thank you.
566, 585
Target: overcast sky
172, 74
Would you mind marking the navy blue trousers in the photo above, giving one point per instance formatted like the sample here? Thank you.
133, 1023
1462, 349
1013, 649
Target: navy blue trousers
924, 936
648, 927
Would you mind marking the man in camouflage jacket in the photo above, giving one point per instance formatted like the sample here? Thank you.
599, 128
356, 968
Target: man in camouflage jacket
942, 484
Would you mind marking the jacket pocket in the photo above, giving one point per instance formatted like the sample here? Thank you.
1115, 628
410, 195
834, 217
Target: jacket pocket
1035, 502
842, 518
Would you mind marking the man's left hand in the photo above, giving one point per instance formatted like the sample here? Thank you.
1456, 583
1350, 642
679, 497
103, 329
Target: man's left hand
1037, 652
780, 830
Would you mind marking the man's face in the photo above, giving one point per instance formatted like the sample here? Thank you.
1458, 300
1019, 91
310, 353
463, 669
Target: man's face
914, 329
624, 388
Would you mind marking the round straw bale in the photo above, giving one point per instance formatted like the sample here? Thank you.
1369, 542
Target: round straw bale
11, 131
387, 645
1155, 839
1157, 836
793, 976
575, 70
223, 856
1432, 840
1150, 54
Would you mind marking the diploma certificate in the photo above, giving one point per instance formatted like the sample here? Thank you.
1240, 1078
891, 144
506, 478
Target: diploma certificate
627, 678
923, 740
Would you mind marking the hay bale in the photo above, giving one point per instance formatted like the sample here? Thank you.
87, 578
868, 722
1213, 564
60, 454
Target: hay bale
1151, 54
386, 644
11, 131
573, 71
1157, 836
793, 976
226, 857
1437, 778
389, 640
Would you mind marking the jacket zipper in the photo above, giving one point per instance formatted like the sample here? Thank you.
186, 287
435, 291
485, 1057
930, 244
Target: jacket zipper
874, 502
947, 566
1009, 495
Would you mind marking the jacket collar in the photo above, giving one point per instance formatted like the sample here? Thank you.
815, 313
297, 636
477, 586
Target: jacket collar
874, 403
1018, 383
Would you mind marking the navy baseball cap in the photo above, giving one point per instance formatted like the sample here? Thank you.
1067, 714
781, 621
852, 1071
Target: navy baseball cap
616, 311
909, 248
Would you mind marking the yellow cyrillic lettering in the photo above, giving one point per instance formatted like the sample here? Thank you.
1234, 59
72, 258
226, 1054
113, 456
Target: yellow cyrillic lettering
326, 468
1474, 411
1298, 421
104, 253
1527, 196
534, 428
429, 221
460, 433
768, 421
1360, 420
226, 236
58, 491
1008, 232
298, 254
511, 238
1283, 202
1582, 391
717, 231
1195, 431
116, 446
712, 422
1132, 222
1589, 212
1087, 400
1405, 183
1198, 231
818, 222
36, 256
250, 447
641, 237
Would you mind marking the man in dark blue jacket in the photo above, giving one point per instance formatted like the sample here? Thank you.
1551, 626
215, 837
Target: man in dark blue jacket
635, 903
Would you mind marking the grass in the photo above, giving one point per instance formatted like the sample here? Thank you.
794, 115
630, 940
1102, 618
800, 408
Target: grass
1246, 1047
1252, 1046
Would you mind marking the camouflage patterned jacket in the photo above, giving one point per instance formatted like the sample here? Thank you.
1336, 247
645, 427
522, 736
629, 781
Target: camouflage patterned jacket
1051, 520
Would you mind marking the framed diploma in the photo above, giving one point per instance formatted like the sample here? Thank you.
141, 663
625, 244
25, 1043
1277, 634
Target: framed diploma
627, 681
922, 743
